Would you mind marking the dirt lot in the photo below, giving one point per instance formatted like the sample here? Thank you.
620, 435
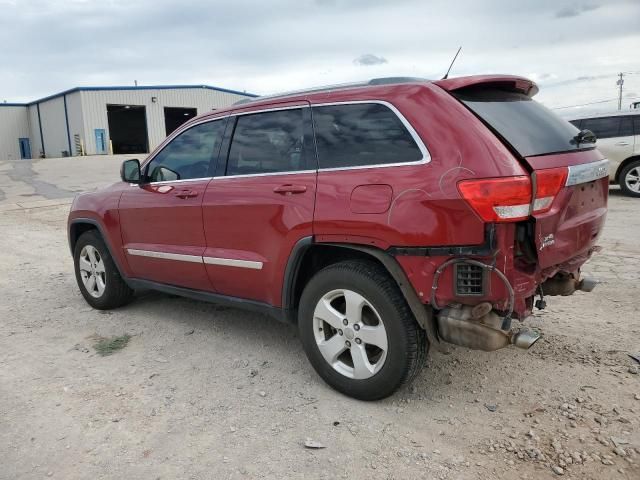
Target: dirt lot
207, 392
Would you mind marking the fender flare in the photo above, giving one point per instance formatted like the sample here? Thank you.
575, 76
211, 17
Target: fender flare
105, 239
422, 313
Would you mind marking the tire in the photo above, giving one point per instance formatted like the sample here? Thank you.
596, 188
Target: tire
630, 179
108, 290
379, 302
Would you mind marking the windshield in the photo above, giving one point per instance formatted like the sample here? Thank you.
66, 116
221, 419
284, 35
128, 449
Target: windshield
530, 128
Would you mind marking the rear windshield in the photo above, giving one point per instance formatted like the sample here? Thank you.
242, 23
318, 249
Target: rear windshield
529, 127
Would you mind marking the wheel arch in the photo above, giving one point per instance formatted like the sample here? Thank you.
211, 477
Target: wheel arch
78, 226
308, 257
623, 165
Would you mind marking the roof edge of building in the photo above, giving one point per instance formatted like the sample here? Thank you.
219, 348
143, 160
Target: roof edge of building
132, 87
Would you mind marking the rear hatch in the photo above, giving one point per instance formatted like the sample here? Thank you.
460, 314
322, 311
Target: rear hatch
569, 177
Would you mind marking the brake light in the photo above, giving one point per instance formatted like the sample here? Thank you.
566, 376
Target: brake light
505, 199
548, 183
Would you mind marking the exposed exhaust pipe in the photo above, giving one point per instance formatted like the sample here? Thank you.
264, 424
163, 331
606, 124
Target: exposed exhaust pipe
565, 284
525, 339
461, 325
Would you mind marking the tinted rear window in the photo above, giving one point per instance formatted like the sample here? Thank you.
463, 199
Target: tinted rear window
530, 128
363, 134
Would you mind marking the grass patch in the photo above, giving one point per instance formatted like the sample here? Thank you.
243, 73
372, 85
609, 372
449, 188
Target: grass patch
108, 346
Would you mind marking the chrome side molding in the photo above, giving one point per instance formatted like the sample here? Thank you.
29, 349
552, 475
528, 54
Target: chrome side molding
226, 262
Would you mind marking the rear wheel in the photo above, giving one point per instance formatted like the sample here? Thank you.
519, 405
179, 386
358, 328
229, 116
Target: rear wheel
358, 332
98, 278
630, 179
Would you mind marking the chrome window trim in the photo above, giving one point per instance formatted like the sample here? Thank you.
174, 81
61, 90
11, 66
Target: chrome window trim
232, 262
267, 110
268, 174
426, 156
164, 255
227, 262
587, 172
170, 182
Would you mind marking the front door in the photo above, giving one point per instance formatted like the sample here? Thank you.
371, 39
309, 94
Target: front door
257, 208
161, 220
101, 142
25, 148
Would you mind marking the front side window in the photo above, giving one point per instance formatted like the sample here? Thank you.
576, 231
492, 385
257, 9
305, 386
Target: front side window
606, 127
189, 155
269, 142
363, 134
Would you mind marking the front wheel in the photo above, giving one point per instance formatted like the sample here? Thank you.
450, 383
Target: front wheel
630, 179
98, 278
358, 331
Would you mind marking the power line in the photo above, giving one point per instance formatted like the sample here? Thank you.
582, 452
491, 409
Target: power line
585, 104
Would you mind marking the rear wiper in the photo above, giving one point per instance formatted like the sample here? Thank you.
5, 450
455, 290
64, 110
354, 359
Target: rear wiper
584, 136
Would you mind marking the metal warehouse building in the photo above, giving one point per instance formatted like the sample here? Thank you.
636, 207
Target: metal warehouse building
102, 120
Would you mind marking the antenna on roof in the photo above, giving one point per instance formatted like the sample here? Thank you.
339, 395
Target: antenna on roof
446, 75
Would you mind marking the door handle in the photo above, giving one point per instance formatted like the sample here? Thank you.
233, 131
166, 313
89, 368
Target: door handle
186, 194
622, 144
290, 189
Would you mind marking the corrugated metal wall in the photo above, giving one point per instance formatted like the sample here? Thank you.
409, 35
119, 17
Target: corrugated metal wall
54, 127
14, 124
36, 145
94, 108
76, 123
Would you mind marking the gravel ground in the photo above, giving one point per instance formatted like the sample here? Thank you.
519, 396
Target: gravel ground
202, 391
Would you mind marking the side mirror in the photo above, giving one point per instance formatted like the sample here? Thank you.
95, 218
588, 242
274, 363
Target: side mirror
130, 171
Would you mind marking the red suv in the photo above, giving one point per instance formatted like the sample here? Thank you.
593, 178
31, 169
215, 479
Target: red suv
380, 218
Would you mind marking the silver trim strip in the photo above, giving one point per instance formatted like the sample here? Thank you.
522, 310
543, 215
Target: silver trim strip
587, 172
171, 182
227, 262
295, 172
165, 255
230, 262
426, 156
271, 109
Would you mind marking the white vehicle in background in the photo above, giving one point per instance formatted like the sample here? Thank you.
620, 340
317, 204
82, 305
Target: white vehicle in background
618, 137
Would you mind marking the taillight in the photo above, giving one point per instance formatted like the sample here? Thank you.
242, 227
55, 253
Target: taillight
548, 183
505, 199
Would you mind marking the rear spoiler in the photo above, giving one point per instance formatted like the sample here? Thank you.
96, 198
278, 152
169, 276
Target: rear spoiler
507, 82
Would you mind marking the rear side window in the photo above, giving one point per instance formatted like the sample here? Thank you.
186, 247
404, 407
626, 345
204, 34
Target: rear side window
189, 155
605, 127
363, 134
530, 128
267, 142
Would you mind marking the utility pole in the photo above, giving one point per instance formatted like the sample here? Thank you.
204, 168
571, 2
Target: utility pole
620, 82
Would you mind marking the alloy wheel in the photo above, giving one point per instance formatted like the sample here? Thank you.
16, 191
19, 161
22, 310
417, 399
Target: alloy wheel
632, 179
92, 271
350, 334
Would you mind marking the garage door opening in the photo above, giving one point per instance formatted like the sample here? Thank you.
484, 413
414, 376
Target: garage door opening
128, 128
175, 116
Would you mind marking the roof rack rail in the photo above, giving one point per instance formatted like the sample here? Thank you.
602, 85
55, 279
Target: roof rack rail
326, 88
392, 80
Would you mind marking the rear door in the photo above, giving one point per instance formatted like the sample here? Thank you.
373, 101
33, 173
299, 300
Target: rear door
261, 201
161, 220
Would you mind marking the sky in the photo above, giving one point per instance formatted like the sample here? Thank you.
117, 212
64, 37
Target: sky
572, 49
